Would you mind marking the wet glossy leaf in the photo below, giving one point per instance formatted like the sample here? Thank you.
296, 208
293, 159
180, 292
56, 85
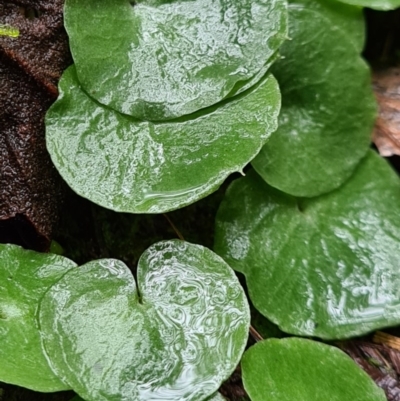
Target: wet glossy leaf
175, 337
375, 4
304, 370
157, 60
143, 167
24, 278
326, 266
346, 18
328, 108
215, 397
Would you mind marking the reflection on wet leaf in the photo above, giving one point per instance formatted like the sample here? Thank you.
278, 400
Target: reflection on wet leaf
166, 59
175, 337
328, 107
325, 266
144, 167
24, 278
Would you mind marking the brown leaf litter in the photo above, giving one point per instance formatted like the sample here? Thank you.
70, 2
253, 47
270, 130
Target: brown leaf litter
386, 84
380, 359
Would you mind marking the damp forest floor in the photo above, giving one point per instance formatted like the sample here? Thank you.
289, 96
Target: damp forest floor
86, 232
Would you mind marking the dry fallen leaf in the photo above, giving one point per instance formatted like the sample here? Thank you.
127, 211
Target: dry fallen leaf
30, 66
381, 362
387, 127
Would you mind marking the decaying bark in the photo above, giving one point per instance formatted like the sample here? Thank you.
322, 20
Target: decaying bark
30, 66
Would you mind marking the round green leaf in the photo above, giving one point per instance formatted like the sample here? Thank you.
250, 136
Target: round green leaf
376, 4
346, 18
157, 59
326, 266
328, 108
24, 278
304, 370
176, 337
142, 167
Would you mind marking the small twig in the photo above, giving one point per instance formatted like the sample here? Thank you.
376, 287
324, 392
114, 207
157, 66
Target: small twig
388, 367
387, 339
177, 232
255, 334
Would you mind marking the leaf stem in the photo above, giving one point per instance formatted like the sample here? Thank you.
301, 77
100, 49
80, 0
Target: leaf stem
177, 232
255, 334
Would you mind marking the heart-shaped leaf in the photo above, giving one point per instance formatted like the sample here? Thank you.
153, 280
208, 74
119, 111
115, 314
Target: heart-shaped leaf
176, 337
24, 278
304, 370
141, 167
157, 59
376, 4
326, 266
328, 108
